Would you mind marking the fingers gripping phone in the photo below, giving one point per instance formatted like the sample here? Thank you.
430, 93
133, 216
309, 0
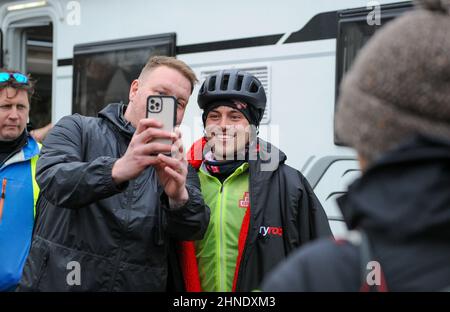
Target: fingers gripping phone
164, 109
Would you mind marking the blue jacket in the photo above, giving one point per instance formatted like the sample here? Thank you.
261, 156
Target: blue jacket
19, 192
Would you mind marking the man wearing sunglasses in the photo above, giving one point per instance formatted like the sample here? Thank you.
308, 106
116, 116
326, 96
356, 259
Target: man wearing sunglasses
18, 155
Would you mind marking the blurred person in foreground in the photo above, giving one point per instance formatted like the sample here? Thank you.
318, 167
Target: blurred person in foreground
394, 110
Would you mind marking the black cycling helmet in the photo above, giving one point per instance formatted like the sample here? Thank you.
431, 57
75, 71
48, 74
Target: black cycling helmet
233, 84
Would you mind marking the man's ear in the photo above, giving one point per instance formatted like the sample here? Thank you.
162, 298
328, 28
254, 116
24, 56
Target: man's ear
133, 89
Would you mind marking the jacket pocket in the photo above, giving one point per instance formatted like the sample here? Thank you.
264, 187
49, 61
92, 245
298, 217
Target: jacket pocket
72, 270
139, 278
35, 266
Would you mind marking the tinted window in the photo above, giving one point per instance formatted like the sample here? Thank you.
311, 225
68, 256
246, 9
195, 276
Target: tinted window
354, 32
104, 71
38, 62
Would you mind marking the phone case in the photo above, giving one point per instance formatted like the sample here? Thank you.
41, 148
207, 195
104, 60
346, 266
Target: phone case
164, 109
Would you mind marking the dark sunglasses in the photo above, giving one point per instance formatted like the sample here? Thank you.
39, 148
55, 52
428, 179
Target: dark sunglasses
14, 77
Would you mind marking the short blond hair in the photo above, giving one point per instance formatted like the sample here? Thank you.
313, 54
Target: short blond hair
172, 62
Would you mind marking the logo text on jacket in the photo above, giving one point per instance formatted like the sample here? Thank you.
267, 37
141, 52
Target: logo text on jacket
245, 202
271, 230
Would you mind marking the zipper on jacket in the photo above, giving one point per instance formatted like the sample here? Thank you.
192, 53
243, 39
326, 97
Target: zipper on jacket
41, 271
221, 268
221, 262
2, 198
250, 224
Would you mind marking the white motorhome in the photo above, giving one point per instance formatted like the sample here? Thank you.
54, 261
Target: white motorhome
85, 53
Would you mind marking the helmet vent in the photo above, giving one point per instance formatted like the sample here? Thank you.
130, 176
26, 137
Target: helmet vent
224, 82
253, 87
212, 83
238, 85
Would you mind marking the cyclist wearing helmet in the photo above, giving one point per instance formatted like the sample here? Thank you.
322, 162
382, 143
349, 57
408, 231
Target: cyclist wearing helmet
259, 212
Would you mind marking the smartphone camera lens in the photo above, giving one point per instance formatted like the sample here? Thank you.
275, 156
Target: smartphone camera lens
152, 107
152, 101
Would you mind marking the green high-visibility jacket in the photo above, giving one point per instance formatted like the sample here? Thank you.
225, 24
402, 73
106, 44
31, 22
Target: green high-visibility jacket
218, 251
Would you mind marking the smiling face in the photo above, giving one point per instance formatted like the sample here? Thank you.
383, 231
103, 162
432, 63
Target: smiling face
227, 131
14, 109
161, 80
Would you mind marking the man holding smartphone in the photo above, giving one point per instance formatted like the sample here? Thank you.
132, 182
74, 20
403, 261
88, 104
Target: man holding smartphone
110, 200
261, 209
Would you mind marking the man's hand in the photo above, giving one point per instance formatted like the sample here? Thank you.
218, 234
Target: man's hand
172, 172
40, 134
138, 155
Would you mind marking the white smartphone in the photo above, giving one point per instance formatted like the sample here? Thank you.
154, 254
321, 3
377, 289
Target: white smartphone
164, 109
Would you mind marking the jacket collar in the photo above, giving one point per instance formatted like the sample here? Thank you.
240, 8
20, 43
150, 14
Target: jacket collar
114, 113
28, 151
264, 158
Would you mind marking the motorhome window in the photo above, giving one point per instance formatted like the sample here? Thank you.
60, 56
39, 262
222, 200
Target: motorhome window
353, 33
38, 58
353, 36
103, 72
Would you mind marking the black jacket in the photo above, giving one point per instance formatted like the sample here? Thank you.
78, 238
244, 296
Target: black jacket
119, 237
280, 197
402, 203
